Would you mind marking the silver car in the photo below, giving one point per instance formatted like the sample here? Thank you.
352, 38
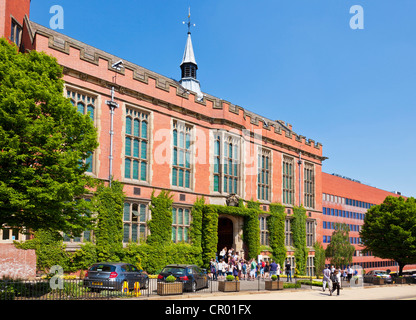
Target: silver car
111, 276
371, 275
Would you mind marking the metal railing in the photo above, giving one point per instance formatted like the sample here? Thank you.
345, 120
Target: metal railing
76, 289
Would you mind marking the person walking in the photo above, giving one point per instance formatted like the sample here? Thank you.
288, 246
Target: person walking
273, 268
327, 279
278, 271
350, 271
267, 270
336, 280
244, 269
253, 266
288, 271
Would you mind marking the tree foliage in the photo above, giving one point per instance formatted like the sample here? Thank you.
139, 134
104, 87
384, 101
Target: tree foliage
319, 261
340, 250
43, 142
389, 230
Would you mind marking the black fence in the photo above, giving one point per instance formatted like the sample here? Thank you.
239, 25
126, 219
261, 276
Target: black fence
76, 289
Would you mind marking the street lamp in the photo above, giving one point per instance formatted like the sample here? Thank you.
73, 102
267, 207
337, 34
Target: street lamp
113, 105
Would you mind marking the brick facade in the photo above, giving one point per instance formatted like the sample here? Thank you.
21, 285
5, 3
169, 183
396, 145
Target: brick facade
16, 263
163, 104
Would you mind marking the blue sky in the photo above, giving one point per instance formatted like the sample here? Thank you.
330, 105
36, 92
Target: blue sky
298, 61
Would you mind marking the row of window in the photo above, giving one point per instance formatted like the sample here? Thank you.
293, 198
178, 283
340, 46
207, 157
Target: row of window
346, 201
227, 165
353, 240
136, 215
343, 213
331, 225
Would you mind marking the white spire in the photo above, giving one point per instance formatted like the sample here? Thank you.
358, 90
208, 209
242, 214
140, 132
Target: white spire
189, 66
188, 55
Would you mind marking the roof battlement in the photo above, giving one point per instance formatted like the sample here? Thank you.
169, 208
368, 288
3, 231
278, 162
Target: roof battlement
238, 115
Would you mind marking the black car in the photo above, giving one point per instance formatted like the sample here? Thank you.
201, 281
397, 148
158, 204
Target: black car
192, 276
111, 276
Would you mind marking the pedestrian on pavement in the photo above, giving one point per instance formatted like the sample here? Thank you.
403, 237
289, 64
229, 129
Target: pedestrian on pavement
273, 268
327, 279
253, 266
244, 269
267, 270
278, 271
288, 271
336, 280
350, 271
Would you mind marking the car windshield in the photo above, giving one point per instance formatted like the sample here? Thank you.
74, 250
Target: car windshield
174, 270
103, 268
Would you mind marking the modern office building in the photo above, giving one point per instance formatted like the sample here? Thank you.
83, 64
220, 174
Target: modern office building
345, 200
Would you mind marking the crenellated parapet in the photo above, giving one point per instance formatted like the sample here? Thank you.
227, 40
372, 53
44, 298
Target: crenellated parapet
138, 82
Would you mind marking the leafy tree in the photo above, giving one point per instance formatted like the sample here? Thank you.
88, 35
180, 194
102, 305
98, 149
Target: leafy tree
319, 261
43, 144
340, 250
389, 230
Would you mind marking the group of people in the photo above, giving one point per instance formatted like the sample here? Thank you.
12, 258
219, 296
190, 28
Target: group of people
332, 277
228, 262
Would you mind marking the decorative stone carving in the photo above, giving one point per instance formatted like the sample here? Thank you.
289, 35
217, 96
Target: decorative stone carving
232, 200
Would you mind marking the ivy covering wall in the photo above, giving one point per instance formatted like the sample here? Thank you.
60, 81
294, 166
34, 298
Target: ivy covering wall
159, 250
298, 228
276, 227
204, 228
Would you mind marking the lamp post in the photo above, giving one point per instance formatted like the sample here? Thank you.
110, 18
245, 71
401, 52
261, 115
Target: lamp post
300, 185
113, 105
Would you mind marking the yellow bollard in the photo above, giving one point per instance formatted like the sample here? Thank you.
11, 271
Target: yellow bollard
125, 287
137, 292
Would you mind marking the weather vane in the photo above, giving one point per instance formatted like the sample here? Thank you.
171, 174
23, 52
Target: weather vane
189, 21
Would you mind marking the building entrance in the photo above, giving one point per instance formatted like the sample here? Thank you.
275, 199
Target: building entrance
225, 234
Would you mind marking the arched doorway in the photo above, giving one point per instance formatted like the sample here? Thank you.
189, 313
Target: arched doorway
225, 234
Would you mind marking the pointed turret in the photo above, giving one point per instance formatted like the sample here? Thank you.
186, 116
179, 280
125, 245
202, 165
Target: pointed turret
189, 65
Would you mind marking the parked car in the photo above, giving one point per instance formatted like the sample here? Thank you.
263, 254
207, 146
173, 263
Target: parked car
371, 275
192, 276
111, 276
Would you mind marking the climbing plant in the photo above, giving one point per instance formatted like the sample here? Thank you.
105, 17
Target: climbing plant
204, 227
161, 223
276, 227
108, 202
298, 227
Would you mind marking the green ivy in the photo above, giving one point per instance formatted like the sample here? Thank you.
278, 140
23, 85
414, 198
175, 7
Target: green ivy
298, 227
109, 202
160, 225
205, 227
276, 227
49, 247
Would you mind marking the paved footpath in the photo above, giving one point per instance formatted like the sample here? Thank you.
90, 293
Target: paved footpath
390, 292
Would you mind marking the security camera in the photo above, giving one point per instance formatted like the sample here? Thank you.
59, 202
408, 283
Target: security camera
118, 65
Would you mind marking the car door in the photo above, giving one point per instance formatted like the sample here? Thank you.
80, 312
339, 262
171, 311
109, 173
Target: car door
125, 274
198, 275
135, 274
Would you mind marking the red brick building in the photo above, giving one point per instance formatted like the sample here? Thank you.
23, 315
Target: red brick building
171, 135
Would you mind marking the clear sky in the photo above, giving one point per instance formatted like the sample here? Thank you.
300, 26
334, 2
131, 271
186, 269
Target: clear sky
298, 61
